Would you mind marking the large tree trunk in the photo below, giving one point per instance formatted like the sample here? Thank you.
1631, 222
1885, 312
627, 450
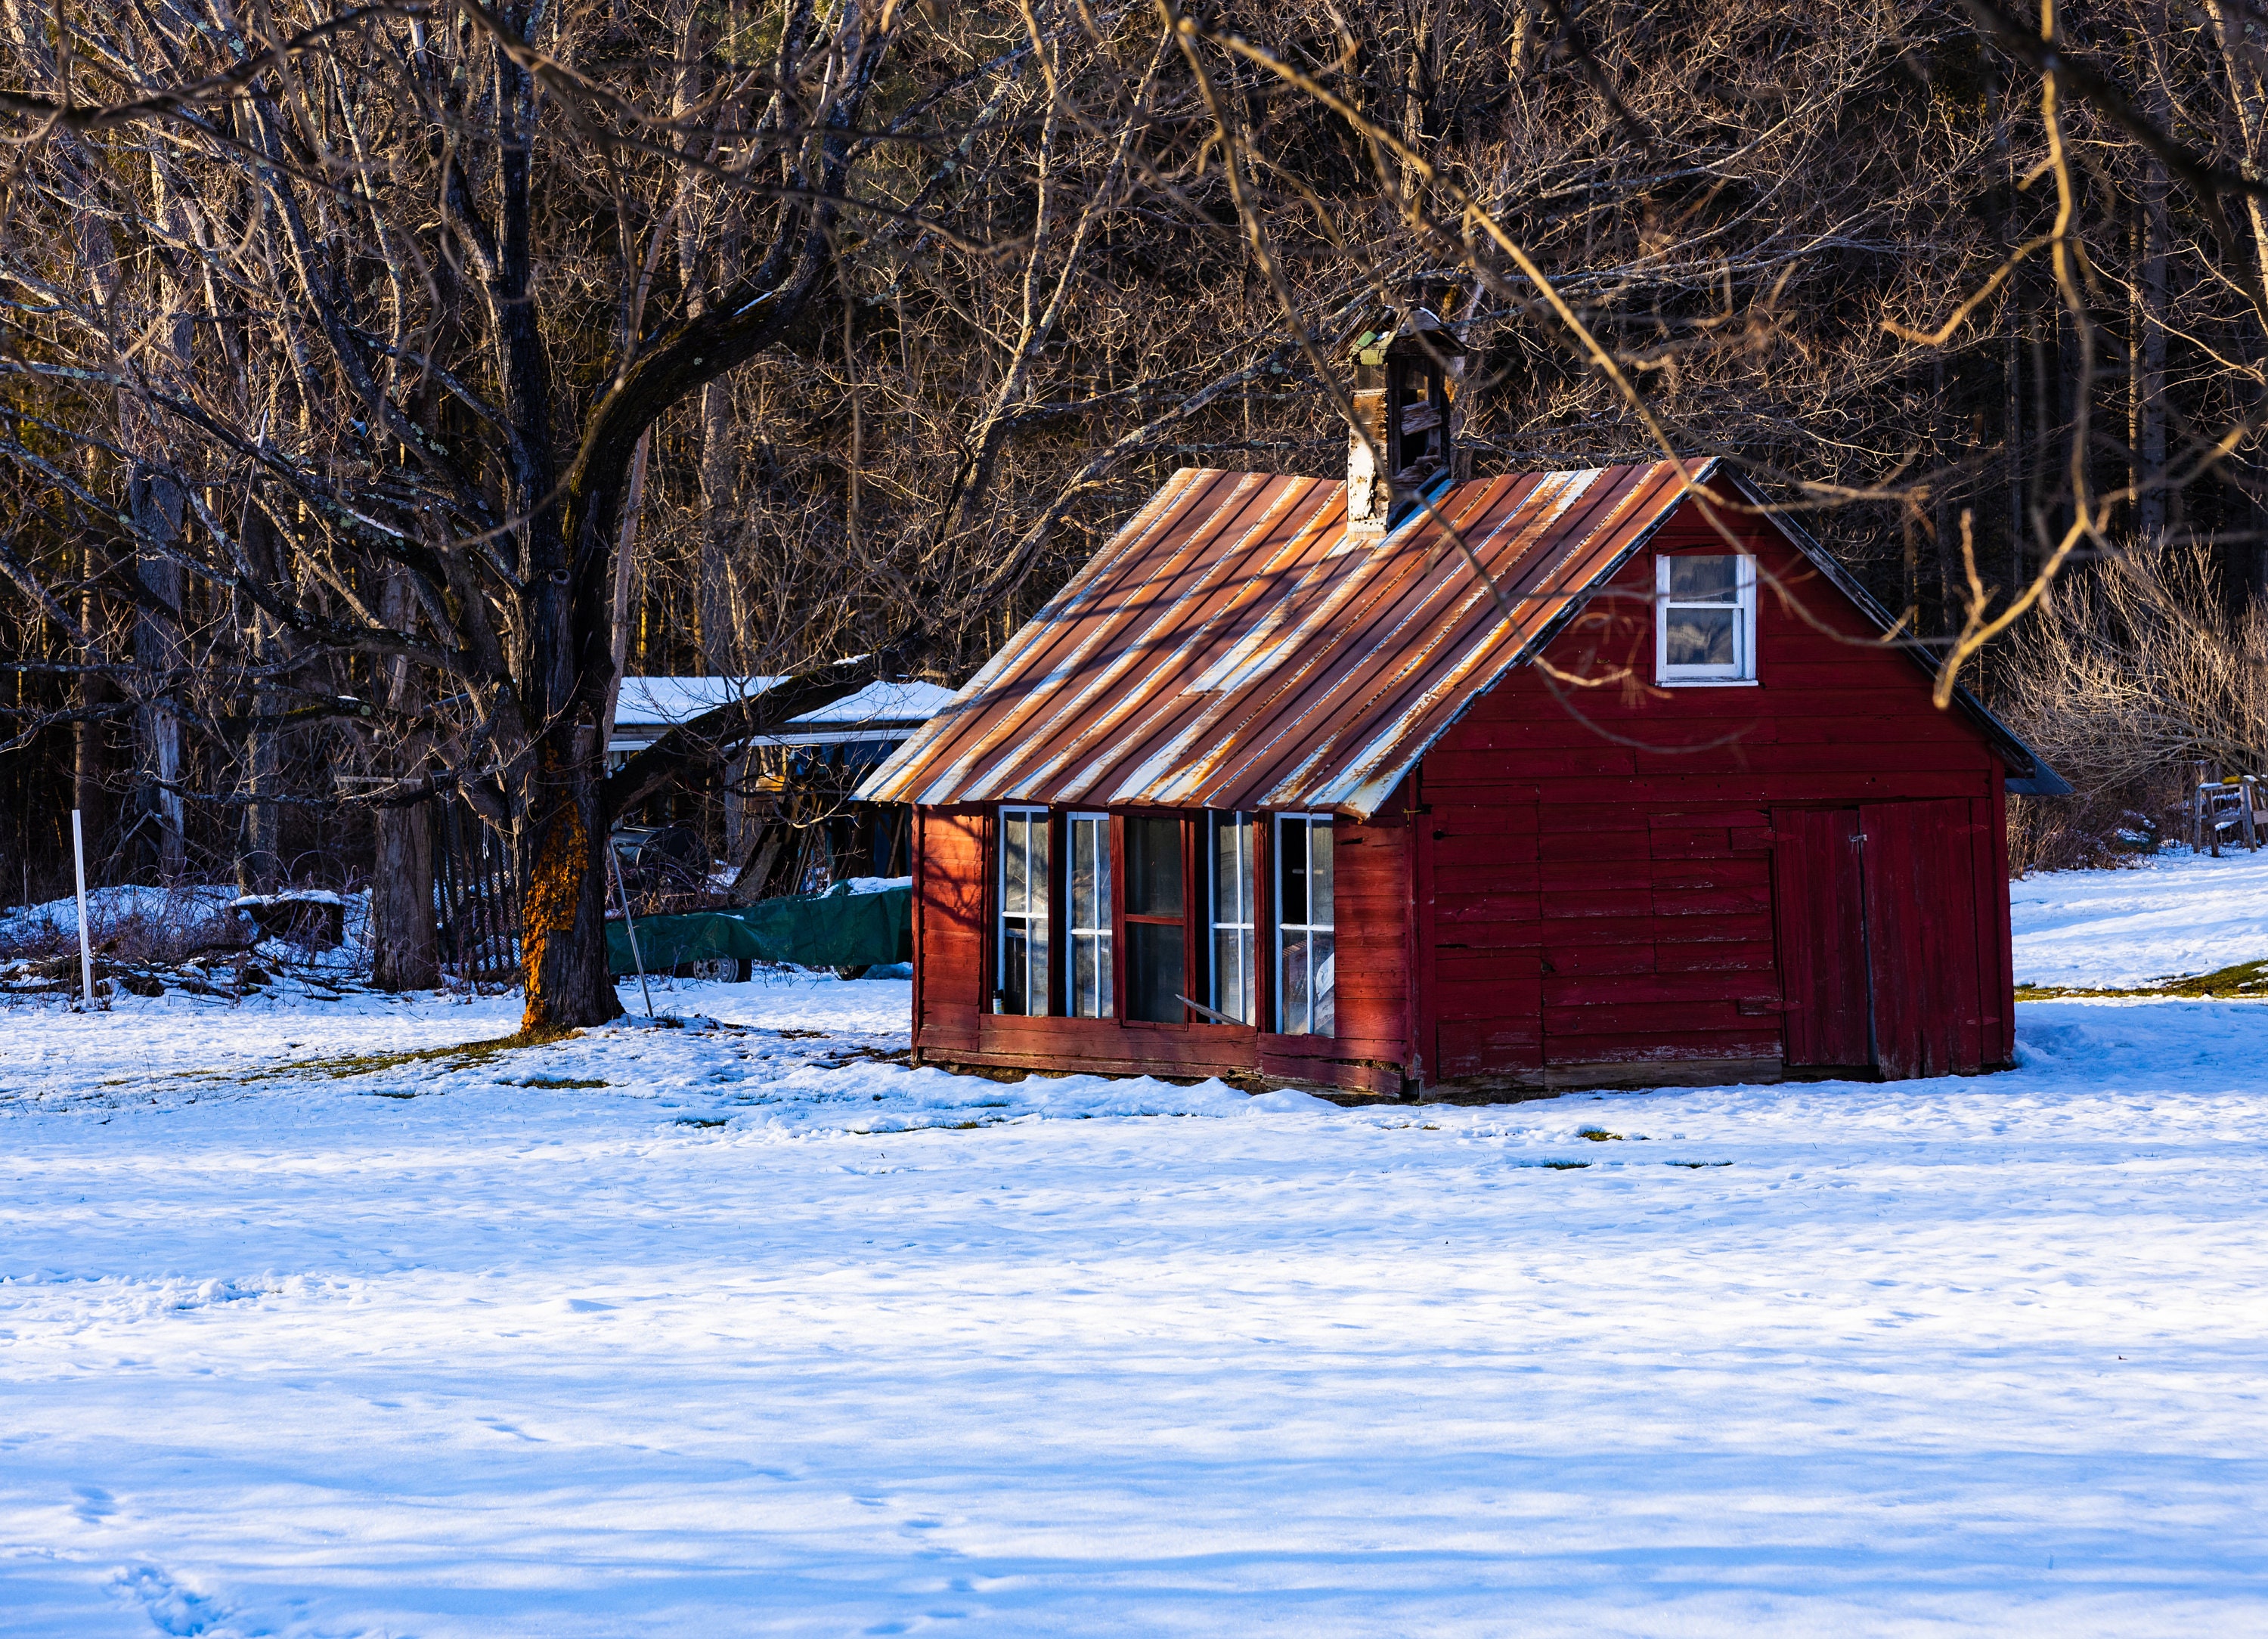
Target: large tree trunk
567, 630
259, 859
561, 640
404, 952
160, 511
563, 819
564, 922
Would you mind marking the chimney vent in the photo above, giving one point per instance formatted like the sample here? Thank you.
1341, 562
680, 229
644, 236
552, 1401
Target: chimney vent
1404, 431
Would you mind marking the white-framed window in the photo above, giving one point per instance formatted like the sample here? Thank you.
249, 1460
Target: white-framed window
1704, 618
1024, 880
1307, 966
1233, 885
1089, 992
1151, 847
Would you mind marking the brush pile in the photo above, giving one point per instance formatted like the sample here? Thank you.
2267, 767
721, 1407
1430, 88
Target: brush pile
199, 941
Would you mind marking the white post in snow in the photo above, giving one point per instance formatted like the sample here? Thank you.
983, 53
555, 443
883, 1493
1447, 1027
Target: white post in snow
85, 951
630, 926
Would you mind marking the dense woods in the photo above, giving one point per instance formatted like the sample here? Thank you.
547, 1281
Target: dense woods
378, 379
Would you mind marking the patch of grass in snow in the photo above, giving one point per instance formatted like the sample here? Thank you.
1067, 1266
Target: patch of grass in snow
2240, 981
843, 1058
463, 1056
557, 1083
1598, 1135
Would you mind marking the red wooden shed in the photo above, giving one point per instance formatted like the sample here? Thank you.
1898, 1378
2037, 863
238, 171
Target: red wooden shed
1625, 789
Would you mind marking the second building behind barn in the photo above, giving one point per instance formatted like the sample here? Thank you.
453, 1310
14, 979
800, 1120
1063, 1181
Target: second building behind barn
1588, 777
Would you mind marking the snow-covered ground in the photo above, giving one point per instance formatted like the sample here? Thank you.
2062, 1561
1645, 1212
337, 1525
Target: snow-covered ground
771, 1334
2177, 912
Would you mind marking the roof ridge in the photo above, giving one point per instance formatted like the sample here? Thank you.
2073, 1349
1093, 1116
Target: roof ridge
1349, 673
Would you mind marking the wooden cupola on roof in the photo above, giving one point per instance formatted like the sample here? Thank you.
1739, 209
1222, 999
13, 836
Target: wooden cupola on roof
1403, 437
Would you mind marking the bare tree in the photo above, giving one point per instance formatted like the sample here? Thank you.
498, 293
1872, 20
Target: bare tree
341, 216
380, 379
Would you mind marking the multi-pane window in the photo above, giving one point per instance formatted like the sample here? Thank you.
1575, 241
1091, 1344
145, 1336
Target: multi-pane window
1706, 618
1306, 970
1089, 989
1230, 866
1023, 911
1155, 984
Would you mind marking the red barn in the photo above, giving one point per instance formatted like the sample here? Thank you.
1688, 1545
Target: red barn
1568, 779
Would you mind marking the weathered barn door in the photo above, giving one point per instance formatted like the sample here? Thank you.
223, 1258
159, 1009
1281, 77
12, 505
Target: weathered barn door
1877, 918
1921, 930
1819, 901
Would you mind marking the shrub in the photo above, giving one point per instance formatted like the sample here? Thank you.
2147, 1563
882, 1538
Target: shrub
2132, 669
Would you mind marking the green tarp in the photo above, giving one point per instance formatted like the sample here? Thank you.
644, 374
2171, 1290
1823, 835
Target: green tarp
837, 929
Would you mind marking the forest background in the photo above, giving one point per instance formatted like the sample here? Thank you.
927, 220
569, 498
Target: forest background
379, 380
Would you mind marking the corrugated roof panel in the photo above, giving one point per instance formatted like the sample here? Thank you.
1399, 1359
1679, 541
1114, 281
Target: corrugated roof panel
1092, 644
1147, 682
1233, 648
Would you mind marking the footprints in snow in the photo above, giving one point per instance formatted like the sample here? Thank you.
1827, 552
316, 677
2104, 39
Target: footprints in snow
174, 1609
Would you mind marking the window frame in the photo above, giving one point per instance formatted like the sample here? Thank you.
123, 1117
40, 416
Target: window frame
1249, 929
1741, 673
1279, 989
1109, 990
1040, 819
1128, 919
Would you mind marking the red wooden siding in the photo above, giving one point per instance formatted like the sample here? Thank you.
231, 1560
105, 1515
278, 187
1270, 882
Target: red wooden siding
1921, 933
1820, 883
1488, 985
951, 903
1604, 860
1995, 948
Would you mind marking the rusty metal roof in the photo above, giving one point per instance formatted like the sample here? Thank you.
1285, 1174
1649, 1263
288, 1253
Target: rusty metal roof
1233, 648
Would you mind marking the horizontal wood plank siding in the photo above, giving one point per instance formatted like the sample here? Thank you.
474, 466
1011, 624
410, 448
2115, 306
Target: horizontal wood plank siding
1602, 875
952, 919
1371, 890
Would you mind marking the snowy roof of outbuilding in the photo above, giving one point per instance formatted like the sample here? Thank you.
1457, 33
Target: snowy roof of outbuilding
883, 711
884, 702
658, 703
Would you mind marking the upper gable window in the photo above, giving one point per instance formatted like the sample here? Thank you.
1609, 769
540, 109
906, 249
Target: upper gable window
1704, 627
